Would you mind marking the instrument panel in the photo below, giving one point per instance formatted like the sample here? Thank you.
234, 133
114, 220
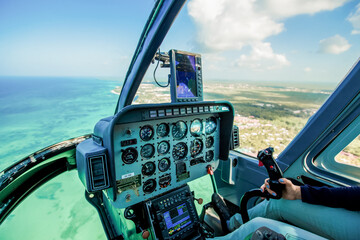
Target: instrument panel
152, 157
146, 150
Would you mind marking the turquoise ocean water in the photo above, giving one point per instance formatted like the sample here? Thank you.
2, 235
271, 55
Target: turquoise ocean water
36, 112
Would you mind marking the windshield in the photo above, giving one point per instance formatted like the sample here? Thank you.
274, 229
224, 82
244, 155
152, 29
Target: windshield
59, 62
276, 63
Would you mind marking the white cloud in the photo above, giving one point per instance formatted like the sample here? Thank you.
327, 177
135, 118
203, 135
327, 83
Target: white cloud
213, 61
307, 69
354, 18
262, 57
334, 45
230, 25
289, 8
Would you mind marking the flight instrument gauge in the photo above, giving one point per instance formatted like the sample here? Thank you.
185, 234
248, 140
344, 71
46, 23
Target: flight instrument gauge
209, 142
148, 169
179, 151
196, 147
179, 130
196, 127
147, 151
164, 180
149, 186
146, 132
163, 130
210, 125
129, 155
163, 147
164, 164
209, 156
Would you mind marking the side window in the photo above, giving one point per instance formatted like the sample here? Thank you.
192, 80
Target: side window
342, 155
350, 155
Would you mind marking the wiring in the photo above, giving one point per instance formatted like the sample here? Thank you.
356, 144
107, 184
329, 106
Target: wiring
157, 65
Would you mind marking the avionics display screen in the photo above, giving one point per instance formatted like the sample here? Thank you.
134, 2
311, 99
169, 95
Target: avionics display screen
177, 218
186, 86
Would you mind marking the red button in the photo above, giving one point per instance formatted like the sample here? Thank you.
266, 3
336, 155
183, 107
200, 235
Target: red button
261, 164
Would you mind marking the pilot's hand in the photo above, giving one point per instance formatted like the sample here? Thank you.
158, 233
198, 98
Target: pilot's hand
290, 192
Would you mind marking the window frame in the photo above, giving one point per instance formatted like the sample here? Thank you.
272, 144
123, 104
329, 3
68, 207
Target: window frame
320, 160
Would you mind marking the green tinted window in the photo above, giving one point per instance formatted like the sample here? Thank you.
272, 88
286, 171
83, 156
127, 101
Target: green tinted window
350, 155
57, 210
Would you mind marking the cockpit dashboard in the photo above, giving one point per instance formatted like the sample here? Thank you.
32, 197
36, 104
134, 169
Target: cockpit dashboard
147, 150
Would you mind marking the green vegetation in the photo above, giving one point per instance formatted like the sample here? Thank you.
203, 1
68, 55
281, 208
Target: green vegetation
273, 116
266, 115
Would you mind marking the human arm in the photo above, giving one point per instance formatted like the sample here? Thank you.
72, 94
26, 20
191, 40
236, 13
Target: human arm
338, 197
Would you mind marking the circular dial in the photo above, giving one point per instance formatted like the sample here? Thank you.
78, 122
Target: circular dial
163, 147
163, 130
147, 151
129, 155
148, 169
209, 156
179, 151
196, 147
179, 130
146, 132
196, 127
164, 164
210, 125
209, 142
164, 180
149, 186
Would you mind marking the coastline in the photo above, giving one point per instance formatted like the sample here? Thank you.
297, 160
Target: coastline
114, 92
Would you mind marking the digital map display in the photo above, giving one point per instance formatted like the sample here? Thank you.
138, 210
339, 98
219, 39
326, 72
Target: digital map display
186, 86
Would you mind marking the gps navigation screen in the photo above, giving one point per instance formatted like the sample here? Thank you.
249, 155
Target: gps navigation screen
185, 76
177, 219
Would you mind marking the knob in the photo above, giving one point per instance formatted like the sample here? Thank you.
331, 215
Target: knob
145, 234
199, 200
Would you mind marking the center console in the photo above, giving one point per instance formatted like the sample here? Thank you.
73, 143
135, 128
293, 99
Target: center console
174, 215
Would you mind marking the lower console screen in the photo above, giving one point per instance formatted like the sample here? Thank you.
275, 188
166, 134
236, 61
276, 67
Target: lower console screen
177, 219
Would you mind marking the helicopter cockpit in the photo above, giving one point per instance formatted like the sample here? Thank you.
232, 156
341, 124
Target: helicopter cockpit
139, 166
142, 158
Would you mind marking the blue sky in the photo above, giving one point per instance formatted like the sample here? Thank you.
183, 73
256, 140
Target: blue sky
293, 40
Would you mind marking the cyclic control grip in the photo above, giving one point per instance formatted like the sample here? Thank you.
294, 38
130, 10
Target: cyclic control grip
266, 159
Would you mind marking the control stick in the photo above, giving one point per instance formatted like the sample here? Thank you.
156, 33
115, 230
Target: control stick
266, 159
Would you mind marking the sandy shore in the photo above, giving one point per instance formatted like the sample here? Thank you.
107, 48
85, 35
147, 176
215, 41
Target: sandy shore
114, 92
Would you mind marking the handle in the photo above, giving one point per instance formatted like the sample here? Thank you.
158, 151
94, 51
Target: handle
266, 159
